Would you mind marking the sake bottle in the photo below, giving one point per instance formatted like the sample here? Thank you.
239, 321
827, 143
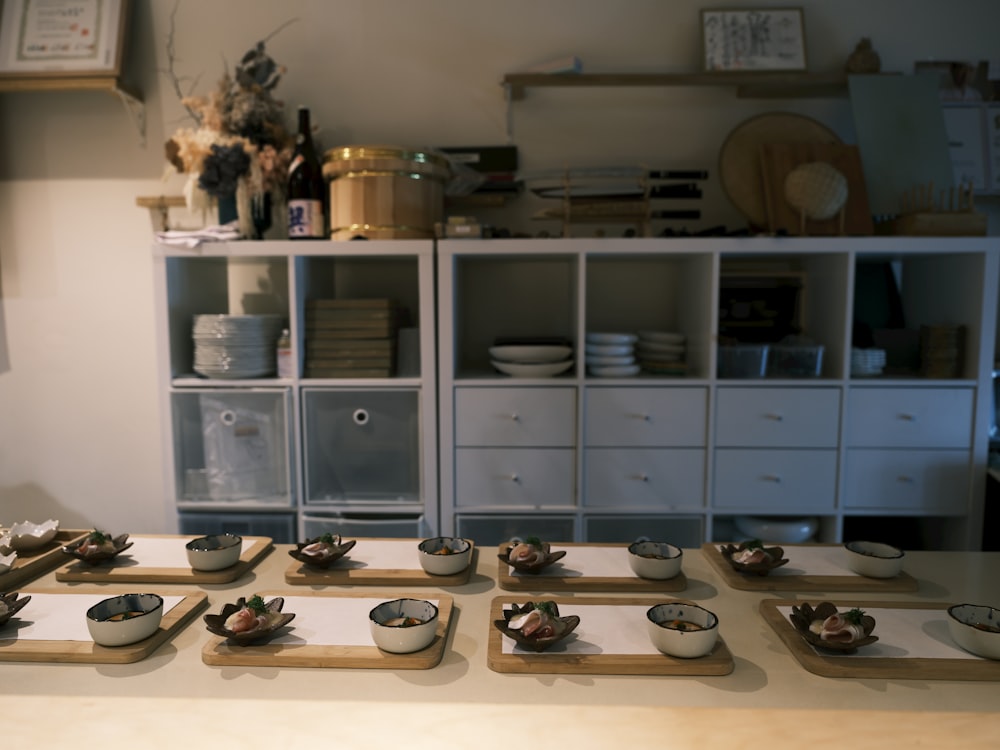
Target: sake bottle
306, 216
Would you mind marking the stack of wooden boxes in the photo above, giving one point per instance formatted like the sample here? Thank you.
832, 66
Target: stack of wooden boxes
350, 338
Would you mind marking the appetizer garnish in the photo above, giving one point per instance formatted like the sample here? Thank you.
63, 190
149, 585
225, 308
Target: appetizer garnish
825, 627
96, 543
324, 546
539, 622
840, 628
403, 622
254, 615
529, 552
536, 625
683, 625
752, 552
443, 550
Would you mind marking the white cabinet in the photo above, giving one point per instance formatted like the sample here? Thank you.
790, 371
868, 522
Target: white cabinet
335, 447
679, 456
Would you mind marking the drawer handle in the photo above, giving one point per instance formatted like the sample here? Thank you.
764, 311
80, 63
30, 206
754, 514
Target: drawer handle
643, 417
908, 417
774, 417
515, 478
642, 477
772, 478
515, 417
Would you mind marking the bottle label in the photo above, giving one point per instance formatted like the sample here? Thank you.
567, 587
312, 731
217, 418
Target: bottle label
305, 218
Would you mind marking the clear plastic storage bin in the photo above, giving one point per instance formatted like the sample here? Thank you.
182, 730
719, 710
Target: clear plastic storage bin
278, 526
742, 361
794, 361
681, 531
403, 527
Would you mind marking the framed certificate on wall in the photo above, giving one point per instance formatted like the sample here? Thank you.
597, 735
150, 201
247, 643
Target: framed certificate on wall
62, 38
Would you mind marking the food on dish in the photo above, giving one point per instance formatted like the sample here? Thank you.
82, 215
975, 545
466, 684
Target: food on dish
530, 555
825, 627
682, 625
752, 556
322, 551
403, 626
249, 620
654, 560
536, 625
402, 622
682, 629
976, 628
444, 555
98, 546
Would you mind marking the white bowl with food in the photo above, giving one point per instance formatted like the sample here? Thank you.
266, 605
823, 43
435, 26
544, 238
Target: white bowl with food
874, 559
402, 626
214, 552
125, 619
976, 628
444, 555
684, 630
26, 535
654, 560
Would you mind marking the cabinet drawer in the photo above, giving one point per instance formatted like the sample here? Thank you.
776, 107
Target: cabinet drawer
774, 480
514, 477
645, 477
778, 417
910, 418
515, 417
645, 416
933, 481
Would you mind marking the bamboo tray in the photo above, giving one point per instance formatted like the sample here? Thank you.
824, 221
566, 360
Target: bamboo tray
795, 577
590, 651
361, 567
88, 652
915, 649
610, 560
128, 567
32, 564
337, 620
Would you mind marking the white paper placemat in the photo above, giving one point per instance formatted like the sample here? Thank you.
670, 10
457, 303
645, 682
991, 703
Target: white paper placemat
816, 560
383, 554
603, 629
590, 562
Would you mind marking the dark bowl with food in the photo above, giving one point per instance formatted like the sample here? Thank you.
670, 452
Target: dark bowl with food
322, 551
530, 556
10, 605
97, 547
753, 558
826, 628
536, 626
249, 620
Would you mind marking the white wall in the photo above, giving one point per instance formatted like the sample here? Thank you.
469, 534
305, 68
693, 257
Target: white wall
80, 437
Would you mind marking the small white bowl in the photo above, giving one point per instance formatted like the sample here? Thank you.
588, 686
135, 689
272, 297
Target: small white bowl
672, 640
874, 559
7, 561
107, 630
777, 529
654, 560
25, 535
437, 563
396, 638
214, 552
976, 628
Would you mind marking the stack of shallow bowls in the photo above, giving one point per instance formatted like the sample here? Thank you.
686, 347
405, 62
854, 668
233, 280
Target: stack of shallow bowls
235, 346
531, 360
662, 352
611, 355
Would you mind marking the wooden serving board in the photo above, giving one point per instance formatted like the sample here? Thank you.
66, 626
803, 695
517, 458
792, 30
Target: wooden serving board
622, 649
336, 642
34, 563
795, 577
921, 649
361, 567
128, 567
611, 560
88, 652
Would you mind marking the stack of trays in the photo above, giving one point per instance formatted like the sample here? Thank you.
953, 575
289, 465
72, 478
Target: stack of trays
941, 351
235, 346
867, 362
350, 338
531, 360
662, 352
611, 355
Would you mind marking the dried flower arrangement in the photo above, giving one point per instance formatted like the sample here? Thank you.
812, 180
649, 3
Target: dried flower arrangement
239, 145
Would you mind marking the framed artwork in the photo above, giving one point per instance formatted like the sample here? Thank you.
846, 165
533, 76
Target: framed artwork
753, 40
62, 38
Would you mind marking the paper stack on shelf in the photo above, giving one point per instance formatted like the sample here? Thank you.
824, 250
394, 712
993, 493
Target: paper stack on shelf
350, 338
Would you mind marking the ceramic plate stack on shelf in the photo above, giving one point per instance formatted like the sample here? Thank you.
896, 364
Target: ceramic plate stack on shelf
531, 360
867, 362
662, 352
611, 355
235, 346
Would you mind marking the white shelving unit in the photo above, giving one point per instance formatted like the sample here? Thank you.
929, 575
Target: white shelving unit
574, 457
300, 455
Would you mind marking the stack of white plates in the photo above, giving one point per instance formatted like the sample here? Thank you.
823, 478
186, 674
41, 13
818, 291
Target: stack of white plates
867, 362
662, 352
611, 355
235, 346
531, 360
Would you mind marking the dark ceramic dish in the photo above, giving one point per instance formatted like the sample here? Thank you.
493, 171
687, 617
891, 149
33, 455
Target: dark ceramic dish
120, 542
534, 567
804, 615
335, 551
775, 559
11, 606
217, 623
566, 625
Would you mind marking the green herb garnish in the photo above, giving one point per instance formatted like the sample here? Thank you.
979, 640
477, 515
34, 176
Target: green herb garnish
548, 608
328, 538
855, 616
534, 541
98, 537
753, 544
256, 604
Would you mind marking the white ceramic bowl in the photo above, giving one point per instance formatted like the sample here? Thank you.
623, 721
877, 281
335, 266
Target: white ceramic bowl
669, 638
7, 561
777, 530
214, 552
437, 564
983, 640
107, 630
655, 560
530, 354
403, 639
27, 536
874, 559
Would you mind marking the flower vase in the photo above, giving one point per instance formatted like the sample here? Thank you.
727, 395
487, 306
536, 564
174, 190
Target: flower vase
227, 208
